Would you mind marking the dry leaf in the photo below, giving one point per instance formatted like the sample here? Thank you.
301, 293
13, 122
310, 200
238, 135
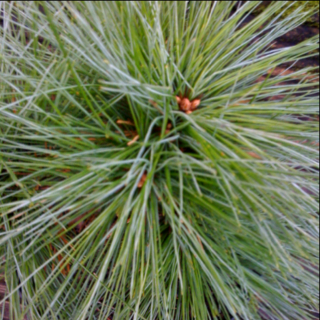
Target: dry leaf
135, 139
125, 122
142, 181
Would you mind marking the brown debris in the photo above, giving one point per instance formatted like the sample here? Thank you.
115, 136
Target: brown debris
153, 103
142, 181
125, 122
78, 228
21, 173
135, 139
254, 155
131, 134
169, 127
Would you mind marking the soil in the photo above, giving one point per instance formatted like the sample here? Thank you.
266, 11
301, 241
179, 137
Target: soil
6, 306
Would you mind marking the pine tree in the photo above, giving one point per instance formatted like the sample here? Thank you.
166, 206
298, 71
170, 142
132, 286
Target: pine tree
153, 164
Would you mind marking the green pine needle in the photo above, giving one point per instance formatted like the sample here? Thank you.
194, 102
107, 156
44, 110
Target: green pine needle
118, 200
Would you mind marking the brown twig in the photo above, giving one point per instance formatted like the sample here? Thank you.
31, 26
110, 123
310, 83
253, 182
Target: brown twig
135, 139
142, 181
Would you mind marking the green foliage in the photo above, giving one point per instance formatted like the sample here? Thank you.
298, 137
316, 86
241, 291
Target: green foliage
117, 205
311, 5
294, 5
